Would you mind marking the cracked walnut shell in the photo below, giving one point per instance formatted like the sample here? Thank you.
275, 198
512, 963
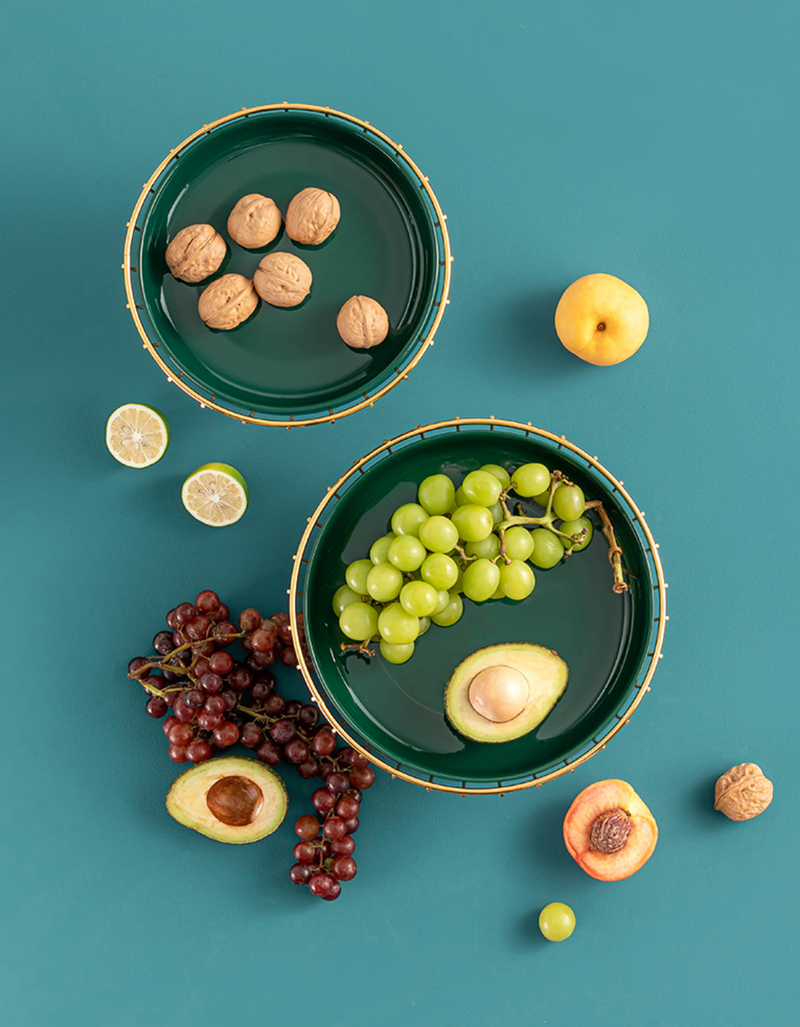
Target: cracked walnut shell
254, 221
312, 216
362, 322
743, 792
282, 280
227, 302
195, 253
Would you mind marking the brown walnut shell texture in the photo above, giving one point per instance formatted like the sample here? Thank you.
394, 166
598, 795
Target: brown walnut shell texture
254, 221
227, 302
195, 253
743, 792
362, 322
282, 279
312, 216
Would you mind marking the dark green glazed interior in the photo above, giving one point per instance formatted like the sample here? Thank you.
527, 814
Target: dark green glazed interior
292, 361
603, 637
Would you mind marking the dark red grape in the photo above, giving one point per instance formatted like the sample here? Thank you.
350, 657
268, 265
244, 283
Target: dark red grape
274, 705
198, 751
194, 698
325, 770
250, 620
153, 680
201, 667
240, 679
184, 613
197, 629
262, 660
285, 634
177, 753
305, 852
320, 885
226, 734
308, 769
293, 707
223, 633
327, 850
338, 783
345, 754
344, 846
351, 824
334, 893
231, 699
334, 828
156, 706
296, 751
208, 721
300, 873
279, 618
168, 723
260, 690
289, 658
322, 800
216, 704
252, 735
210, 683
307, 717
306, 827
170, 676
344, 868
171, 619
162, 643
221, 614
356, 795
323, 743
221, 663
182, 711
262, 641
180, 734
207, 601
362, 776
282, 731
269, 753
347, 807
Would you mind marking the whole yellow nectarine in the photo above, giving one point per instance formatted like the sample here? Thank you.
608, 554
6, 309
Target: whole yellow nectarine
601, 319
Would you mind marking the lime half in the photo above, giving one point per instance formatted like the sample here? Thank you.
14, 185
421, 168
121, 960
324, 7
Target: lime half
215, 494
137, 435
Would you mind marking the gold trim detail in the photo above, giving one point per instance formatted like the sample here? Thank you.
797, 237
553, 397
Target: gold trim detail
176, 376
653, 656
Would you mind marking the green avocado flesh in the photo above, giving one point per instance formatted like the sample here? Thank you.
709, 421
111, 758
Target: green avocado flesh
543, 670
230, 799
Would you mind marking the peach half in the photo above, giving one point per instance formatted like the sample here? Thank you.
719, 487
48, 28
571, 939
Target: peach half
609, 831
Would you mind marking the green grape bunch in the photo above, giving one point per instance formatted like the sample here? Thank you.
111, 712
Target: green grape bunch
463, 541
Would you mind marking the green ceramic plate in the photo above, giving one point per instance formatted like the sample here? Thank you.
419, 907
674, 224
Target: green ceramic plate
604, 637
388, 245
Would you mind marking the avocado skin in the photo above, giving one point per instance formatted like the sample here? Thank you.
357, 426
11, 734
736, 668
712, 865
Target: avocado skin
547, 676
186, 799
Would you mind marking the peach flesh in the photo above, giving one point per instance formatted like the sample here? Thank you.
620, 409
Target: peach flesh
595, 801
499, 693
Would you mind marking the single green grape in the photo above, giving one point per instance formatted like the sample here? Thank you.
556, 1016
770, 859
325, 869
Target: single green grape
451, 613
498, 593
436, 494
481, 488
517, 579
519, 542
359, 621
379, 551
460, 498
424, 624
438, 534
407, 553
444, 598
394, 653
568, 502
384, 582
356, 575
544, 497
419, 598
499, 472
397, 626
488, 547
547, 548
343, 597
496, 510
575, 528
556, 921
473, 523
481, 578
531, 479
407, 519
458, 586
439, 570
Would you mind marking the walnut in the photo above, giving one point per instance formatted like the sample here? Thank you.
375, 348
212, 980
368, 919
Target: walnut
282, 279
362, 322
227, 301
195, 253
254, 221
312, 216
743, 792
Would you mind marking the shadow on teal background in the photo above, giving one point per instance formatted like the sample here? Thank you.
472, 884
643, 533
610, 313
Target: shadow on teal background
659, 144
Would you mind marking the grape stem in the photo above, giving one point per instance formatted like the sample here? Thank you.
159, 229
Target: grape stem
614, 551
164, 664
361, 647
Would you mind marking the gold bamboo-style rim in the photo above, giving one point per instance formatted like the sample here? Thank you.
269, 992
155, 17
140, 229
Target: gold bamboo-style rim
178, 377
300, 562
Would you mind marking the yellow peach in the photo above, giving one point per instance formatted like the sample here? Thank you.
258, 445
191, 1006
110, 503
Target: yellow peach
601, 319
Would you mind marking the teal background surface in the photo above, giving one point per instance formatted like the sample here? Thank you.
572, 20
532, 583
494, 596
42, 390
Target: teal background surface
659, 143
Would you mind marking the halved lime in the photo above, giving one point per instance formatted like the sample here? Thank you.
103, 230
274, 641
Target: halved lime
137, 435
215, 494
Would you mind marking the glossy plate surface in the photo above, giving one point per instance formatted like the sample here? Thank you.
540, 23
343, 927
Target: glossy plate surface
399, 710
292, 361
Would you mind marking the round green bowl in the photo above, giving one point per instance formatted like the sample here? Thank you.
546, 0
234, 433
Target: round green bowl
609, 641
289, 366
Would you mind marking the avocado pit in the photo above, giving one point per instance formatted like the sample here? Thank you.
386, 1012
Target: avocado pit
610, 831
499, 693
235, 800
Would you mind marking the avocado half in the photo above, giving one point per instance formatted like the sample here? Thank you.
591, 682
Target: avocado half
517, 664
230, 799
